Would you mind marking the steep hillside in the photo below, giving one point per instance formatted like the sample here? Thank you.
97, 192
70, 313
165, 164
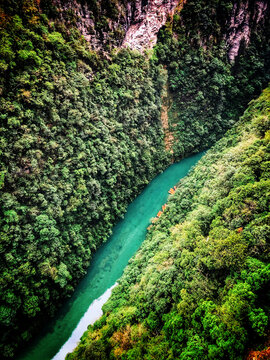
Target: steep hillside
217, 57
199, 286
81, 131
80, 138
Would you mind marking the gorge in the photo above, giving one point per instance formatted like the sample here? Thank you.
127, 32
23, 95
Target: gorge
108, 264
97, 98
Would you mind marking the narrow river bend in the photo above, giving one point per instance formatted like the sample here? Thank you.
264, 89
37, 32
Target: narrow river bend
106, 268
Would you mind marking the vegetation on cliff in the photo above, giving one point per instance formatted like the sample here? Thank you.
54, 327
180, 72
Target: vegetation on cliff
209, 92
199, 286
80, 136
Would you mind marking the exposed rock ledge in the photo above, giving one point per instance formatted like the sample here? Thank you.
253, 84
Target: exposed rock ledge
149, 17
245, 16
136, 25
136, 22
86, 21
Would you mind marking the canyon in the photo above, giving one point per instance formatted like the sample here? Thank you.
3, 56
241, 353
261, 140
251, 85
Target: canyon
98, 97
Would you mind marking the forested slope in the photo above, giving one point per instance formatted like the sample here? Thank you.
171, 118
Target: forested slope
80, 134
199, 286
80, 137
209, 89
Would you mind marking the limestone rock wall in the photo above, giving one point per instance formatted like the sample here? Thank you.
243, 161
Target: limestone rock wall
148, 18
245, 17
135, 23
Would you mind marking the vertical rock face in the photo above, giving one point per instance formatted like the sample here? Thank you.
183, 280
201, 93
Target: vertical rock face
84, 19
246, 16
99, 26
148, 18
134, 24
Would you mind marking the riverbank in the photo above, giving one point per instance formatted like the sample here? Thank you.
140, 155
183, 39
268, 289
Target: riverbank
110, 260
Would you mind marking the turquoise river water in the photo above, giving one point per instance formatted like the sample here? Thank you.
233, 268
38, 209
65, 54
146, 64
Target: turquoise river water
108, 263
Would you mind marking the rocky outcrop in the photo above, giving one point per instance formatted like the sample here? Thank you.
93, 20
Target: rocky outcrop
149, 17
100, 26
164, 116
134, 24
246, 16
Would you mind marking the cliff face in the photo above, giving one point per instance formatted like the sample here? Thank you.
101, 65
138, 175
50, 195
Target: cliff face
148, 18
127, 23
99, 25
135, 24
246, 16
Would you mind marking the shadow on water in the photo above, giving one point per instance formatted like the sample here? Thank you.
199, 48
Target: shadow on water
108, 262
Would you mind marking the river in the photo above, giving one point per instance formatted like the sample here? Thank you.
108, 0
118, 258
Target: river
84, 307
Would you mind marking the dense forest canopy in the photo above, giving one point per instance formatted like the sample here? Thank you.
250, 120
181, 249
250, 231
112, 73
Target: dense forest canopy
81, 135
77, 145
199, 286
